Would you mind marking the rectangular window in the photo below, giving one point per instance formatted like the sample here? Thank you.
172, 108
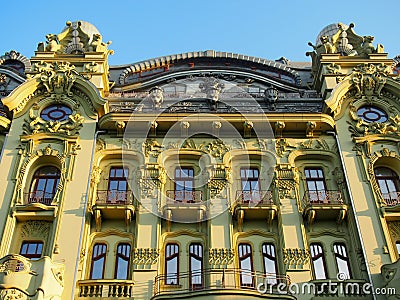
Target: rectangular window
172, 264
245, 265
249, 178
342, 259
196, 266
32, 249
184, 184
270, 265
98, 261
316, 187
318, 261
117, 184
122, 261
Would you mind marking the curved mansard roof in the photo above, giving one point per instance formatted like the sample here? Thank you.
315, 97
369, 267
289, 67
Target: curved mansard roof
191, 61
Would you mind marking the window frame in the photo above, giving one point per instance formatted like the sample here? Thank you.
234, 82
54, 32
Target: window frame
185, 179
243, 257
34, 256
37, 178
317, 256
252, 193
119, 256
114, 194
168, 258
98, 257
194, 286
345, 258
397, 245
317, 194
394, 178
274, 258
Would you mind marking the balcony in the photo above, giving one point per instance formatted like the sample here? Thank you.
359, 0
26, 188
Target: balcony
37, 205
323, 205
184, 206
217, 284
20, 276
254, 205
113, 205
105, 288
41, 197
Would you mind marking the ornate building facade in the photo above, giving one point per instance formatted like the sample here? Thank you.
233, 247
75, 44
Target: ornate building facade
204, 175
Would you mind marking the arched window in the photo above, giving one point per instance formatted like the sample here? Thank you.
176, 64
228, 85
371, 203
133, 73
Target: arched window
44, 185
398, 247
245, 265
342, 259
316, 187
270, 265
98, 261
196, 265
172, 264
122, 261
389, 184
318, 261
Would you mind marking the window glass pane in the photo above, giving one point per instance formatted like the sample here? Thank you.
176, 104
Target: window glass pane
122, 270
398, 247
319, 269
317, 258
382, 186
390, 185
113, 185
343, 267
172, 271
97, 268
41, 183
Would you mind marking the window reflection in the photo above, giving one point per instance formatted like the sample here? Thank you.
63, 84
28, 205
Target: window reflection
98, 261
122, 261
245, 265
171, 264
342, 259
318, 261
196, 265
270, 266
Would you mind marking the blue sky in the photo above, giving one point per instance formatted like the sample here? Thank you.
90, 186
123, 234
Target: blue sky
142, 30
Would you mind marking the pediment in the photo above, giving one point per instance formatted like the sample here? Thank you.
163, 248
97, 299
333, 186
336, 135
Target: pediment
59, 82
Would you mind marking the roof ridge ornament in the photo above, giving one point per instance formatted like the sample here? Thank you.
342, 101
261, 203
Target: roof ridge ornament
344, 42
75, 39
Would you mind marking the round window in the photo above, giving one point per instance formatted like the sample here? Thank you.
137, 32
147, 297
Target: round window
56, 112
372, 114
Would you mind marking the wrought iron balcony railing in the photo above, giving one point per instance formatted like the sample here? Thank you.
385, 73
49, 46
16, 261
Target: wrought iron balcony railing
254, 198
391, 199
176, 197
215, 279
114, 197
39, 197
322, 198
